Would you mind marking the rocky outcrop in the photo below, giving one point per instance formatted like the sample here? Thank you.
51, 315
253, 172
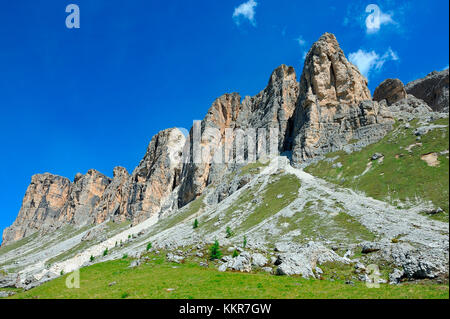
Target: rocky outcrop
268, 114
52, 201
330, 109
273, 107
433, 89
157, 175
391, 90
204, 142
85, 193
334, 104
44, 200
113, 203
410, 107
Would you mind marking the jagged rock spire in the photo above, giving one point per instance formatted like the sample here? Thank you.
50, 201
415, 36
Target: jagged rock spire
330, 77
334, 104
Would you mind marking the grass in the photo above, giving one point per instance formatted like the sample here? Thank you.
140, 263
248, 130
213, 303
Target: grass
253, 168
158, 279
315, 223
402, 175
287, 186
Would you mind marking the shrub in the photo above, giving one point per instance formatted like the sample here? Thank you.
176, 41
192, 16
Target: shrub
92, 258
235, 253
245, 242
105, 252
195, 223
125, 295
62, 272
149, 246
215, 252
229, 232
125, 256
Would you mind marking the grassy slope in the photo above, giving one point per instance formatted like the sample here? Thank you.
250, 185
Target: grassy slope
402, 175
285, 185
189, 281
315, 223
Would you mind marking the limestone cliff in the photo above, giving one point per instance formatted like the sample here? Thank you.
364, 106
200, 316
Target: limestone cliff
53, 201
44, 200
271, 108
334, 104
391, 90
433, 89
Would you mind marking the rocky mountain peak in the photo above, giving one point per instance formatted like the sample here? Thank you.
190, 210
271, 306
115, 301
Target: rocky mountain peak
433, 89
281, 74
330, 77
44, 199
334, 104
223, 112
120, 171
391, 90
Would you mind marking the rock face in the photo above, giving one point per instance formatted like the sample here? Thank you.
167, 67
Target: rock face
306, 260
157, 175
409, 108
334, 104
52, 201
203, 143
85, 193
391, 90
272, 108
328, 110
433, 89
44, 200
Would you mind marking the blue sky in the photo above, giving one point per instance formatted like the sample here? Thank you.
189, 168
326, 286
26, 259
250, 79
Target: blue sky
75, 99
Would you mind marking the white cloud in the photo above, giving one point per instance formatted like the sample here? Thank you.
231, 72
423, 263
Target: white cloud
301, 42
376, 18
369, 61
245, 10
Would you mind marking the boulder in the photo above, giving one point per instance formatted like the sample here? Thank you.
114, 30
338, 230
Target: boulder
305, 260
258, 260
175, 258
391, 90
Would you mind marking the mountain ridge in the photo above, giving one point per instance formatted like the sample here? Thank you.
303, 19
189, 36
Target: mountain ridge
239, 173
